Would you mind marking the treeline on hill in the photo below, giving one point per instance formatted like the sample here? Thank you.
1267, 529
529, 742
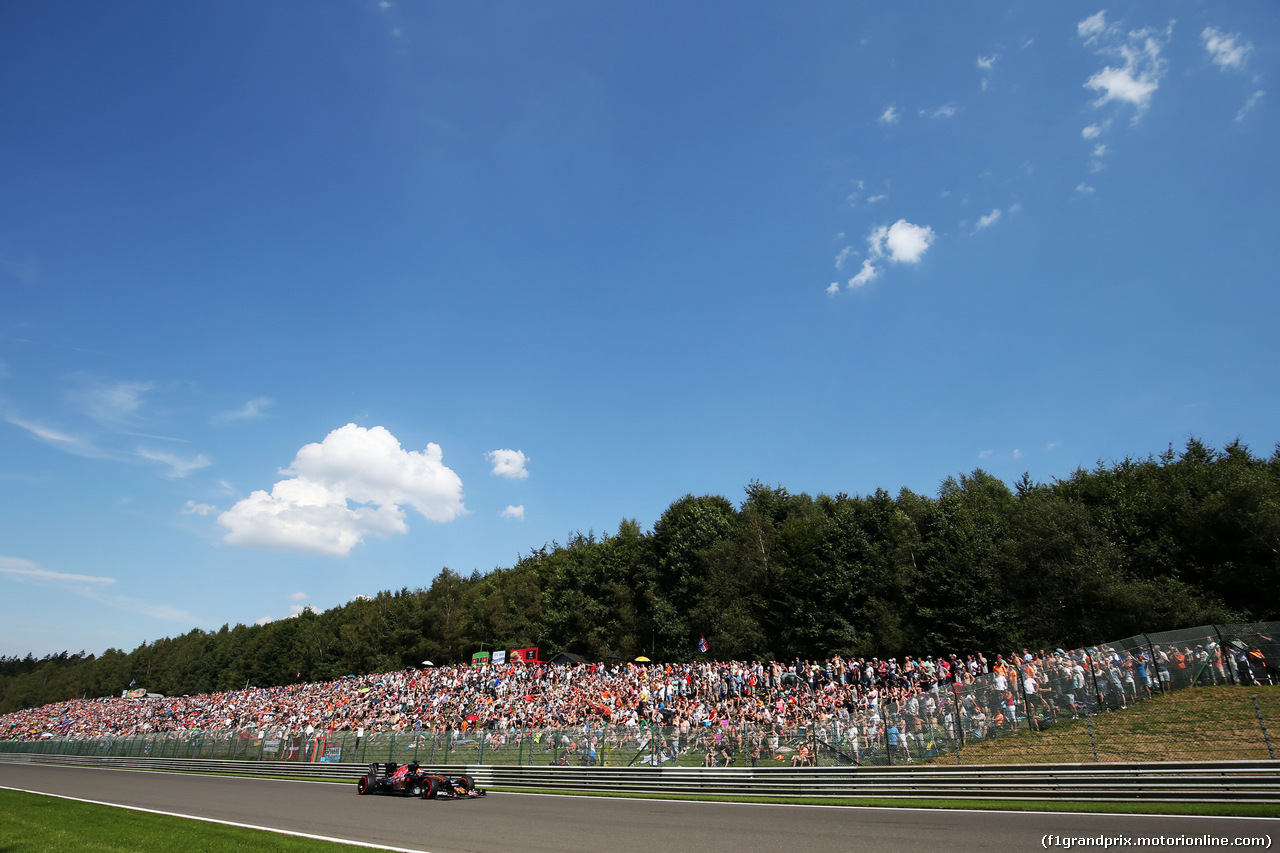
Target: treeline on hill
1143, 545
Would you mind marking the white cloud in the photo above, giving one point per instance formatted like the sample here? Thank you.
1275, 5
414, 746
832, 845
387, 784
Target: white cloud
178, 467
61, 440
902, 241
508, 463
1093, 131
1250, 104
1017, 454
109, 402
90, 587
1225, 49
985, 454
250, 411
1051, 445
1141, 67
1093, 26
17, 569
193, 508
348, 486
833, 288
866, 275
890, 115
944, 111
844, 256
875, 198
987, 221
1124, 84
986, 63
298, 596
1084, 189
514, 512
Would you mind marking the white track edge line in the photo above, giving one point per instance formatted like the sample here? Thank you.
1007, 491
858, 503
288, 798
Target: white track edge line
307, 835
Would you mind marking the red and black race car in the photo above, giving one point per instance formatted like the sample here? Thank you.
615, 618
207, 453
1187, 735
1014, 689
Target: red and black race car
411, 781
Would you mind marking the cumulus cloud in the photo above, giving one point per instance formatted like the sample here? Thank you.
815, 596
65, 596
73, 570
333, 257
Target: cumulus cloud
890, 115
514, 512
902, 242
987, 221
1225, 49
1093, 131
349, 486
899, 243
1136, 76
508, 463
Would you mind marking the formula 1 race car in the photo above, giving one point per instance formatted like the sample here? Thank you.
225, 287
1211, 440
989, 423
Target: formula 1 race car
411, 781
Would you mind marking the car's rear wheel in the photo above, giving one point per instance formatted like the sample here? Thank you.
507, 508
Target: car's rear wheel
429, 788
362, 785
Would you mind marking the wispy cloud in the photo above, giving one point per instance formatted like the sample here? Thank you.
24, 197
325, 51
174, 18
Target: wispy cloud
1253, 101
890, 115
109, 402
250, 411
91, 587
987, 221
179, 467
944, 111
1227, 50
193, 508
64, 441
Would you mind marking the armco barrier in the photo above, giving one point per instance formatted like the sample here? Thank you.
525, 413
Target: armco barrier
1234, 781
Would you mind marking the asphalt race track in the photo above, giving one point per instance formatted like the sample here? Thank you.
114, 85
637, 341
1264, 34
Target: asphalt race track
556, 824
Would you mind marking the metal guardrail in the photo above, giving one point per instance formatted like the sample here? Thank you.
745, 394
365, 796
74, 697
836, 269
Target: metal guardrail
1203, 782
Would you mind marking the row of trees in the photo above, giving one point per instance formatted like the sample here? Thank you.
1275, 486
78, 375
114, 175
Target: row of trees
1142, 545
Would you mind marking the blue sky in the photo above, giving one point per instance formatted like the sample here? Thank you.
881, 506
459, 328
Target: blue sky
307, 300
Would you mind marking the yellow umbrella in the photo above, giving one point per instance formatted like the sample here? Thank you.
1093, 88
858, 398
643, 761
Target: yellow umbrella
642, 659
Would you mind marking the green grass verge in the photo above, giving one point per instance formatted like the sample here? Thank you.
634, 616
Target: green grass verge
36, 823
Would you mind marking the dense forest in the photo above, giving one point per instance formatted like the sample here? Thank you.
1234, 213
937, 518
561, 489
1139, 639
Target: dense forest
1141, 545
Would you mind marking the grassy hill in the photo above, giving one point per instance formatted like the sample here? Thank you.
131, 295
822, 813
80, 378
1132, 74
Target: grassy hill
1201, 724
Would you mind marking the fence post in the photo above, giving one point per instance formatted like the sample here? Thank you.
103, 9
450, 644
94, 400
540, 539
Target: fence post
1093, 744
1265, 735
1225, 656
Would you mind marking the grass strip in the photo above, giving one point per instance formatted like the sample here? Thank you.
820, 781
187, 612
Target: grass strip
33, 823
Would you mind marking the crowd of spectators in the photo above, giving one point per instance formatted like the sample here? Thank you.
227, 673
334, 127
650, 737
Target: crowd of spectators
721, 709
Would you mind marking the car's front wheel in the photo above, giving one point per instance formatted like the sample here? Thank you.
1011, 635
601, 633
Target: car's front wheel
362, 785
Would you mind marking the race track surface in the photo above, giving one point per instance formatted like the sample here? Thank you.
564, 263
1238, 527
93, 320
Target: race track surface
563, 824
